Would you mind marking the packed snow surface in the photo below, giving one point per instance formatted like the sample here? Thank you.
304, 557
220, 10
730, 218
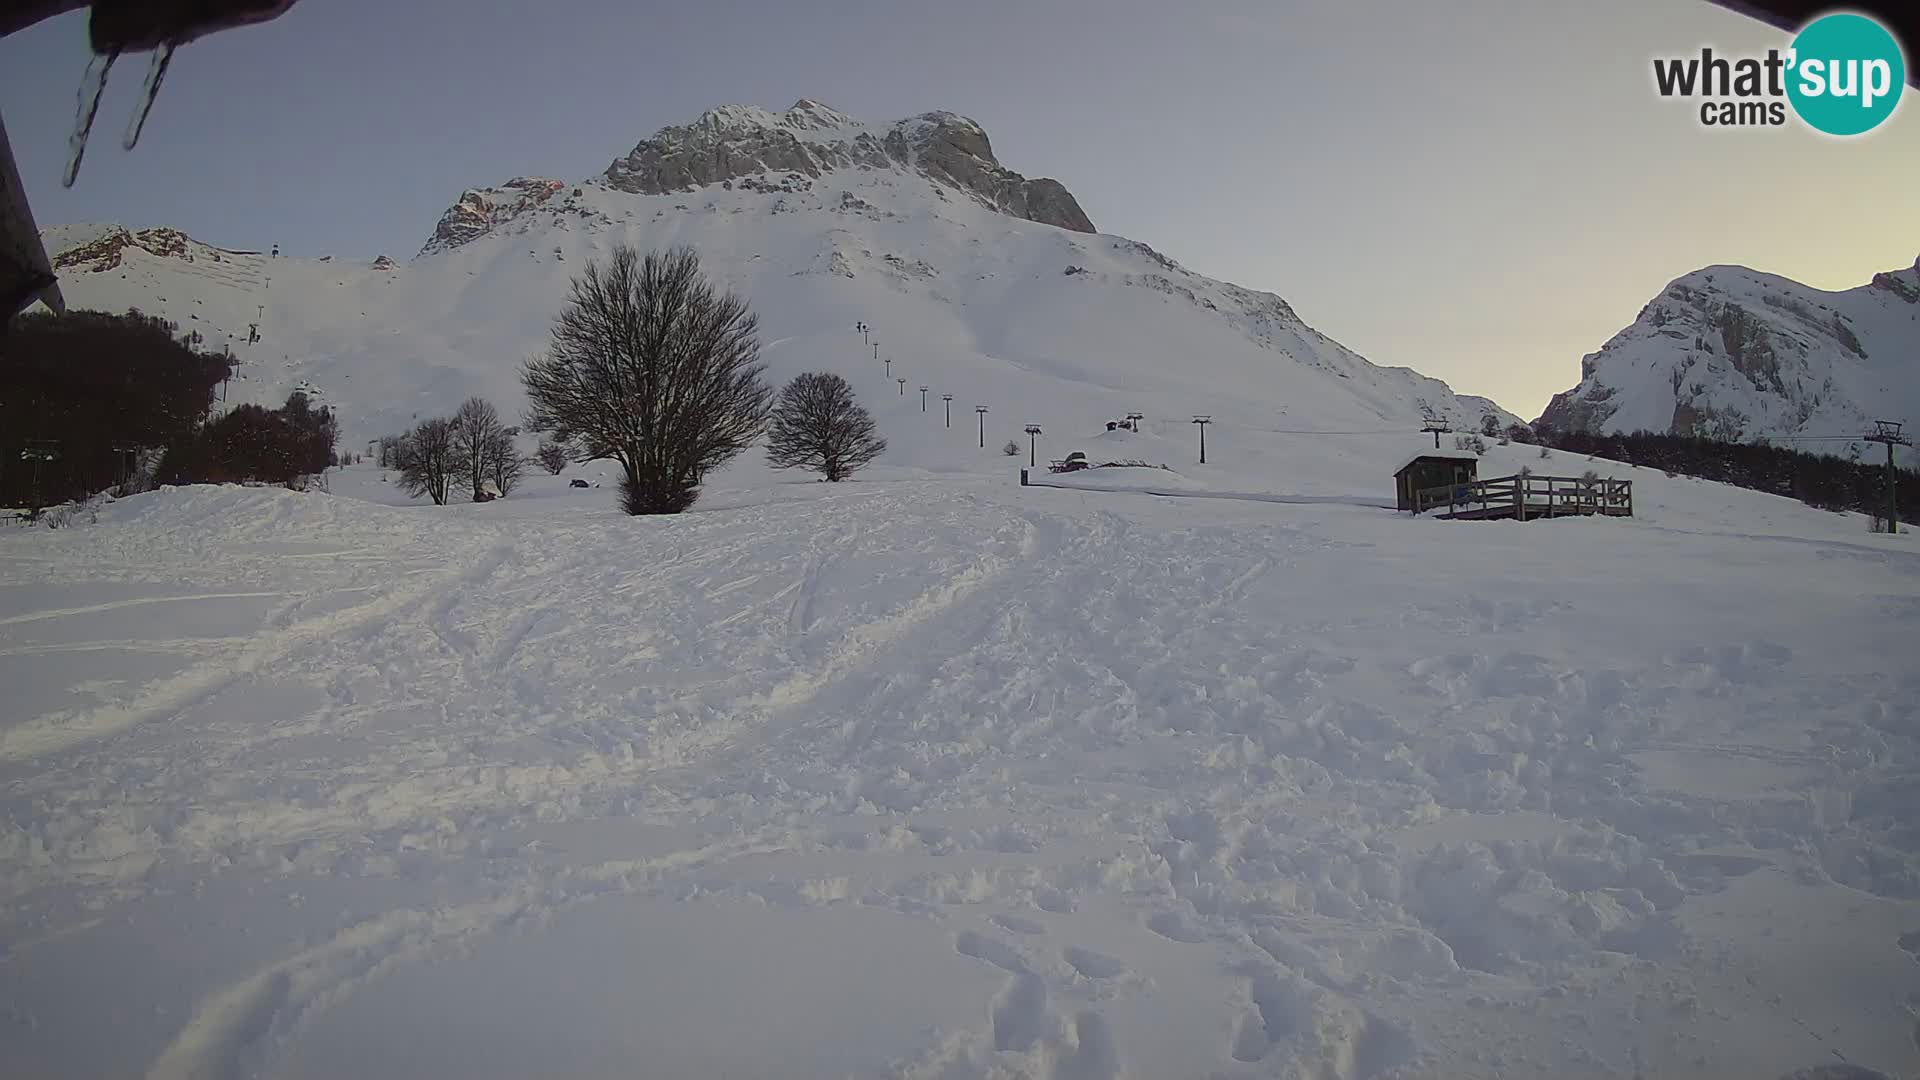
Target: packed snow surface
933, 775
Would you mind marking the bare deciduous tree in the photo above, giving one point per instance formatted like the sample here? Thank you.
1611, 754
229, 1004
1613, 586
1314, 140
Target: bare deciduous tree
551, 456
426, 460
389, 450
477, 439
504, 463
816, 424
653, 367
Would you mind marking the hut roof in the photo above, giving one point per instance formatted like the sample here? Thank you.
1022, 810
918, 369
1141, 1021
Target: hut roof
1429, 452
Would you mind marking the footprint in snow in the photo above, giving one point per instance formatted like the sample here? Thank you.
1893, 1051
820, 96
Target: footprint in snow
1017, 925
998, 953
1172, 926
1093, 965
1020, 1017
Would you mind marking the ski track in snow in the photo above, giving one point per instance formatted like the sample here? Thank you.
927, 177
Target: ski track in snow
1179, 764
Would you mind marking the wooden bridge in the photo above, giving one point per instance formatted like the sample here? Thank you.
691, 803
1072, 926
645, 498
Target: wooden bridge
1527, 497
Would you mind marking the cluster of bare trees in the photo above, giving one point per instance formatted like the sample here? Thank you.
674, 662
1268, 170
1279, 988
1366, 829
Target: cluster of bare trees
471, 448
653, 367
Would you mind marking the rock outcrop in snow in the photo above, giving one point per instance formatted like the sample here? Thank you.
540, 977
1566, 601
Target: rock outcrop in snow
736, 142
99, 248
478, 210
1736, 354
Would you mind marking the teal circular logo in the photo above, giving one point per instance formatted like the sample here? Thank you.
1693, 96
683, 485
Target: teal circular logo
1845, 74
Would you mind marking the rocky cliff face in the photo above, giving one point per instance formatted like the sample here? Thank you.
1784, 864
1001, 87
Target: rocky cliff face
478, 210
105, 248
1734, 354
742, 146
738, 142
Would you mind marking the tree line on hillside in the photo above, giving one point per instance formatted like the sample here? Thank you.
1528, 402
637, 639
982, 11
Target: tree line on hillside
91, 402
1819, 480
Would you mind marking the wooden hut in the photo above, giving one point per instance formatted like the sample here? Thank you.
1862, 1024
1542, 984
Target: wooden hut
1433, 469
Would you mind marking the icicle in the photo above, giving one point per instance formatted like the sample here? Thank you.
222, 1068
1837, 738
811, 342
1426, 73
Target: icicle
156, 72
93, 83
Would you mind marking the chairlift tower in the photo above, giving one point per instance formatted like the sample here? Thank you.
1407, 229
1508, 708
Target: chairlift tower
1033, 444
923, 398
1202, 422
948, 398
982, 410
1890, 433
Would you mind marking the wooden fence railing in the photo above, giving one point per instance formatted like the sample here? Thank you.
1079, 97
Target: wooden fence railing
1529, 496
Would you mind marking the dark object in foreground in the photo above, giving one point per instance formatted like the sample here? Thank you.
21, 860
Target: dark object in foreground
135, 25
114, 27
1790, 15
577, 482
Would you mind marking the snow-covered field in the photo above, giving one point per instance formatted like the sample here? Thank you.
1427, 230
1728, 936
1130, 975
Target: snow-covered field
1206, 771
931, 775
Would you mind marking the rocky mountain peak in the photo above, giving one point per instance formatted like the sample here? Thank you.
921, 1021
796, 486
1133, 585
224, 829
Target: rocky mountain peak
1732, 353
812, 115
734, 142
1904, 284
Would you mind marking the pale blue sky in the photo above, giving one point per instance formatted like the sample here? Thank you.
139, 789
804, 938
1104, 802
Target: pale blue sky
1480, 189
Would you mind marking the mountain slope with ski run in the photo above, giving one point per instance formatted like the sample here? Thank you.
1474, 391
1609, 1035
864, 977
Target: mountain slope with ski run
933, 776
821, 223
1739, 355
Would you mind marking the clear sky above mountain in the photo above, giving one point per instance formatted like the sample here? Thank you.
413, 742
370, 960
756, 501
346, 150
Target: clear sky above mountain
1483, 192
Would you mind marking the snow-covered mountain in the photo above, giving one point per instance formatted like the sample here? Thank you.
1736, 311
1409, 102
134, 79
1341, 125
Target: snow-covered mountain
975, 280
1740, 355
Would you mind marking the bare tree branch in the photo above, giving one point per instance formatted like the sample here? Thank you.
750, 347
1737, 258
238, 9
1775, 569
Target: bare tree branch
653, 368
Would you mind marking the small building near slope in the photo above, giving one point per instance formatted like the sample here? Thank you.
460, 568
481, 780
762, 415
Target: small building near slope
1429, 468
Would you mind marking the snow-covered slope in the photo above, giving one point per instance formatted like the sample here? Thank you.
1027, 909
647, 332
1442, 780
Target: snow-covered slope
950, 779
1739, 355
896, 227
